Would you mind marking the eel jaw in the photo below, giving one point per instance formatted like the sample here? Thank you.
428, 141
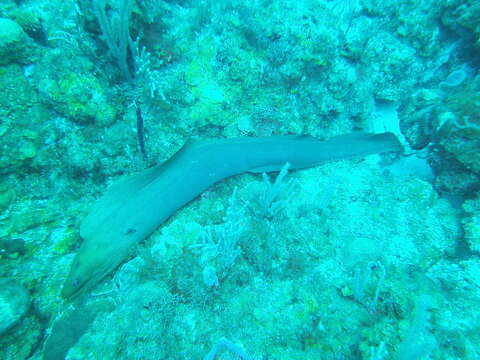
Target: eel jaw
80, 280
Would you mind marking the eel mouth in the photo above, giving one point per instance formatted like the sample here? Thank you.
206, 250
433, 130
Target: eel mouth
74, 286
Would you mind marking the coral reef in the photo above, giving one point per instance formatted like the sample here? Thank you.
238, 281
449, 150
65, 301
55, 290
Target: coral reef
352, 259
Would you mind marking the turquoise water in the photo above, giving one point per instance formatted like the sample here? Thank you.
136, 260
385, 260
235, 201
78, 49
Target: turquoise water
365, 257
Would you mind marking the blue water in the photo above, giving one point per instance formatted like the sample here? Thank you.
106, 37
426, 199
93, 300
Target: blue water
368, 257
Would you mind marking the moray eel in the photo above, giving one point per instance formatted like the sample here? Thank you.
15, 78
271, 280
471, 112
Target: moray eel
134, 207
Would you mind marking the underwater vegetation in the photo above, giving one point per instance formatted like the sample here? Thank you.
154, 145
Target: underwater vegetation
374, 257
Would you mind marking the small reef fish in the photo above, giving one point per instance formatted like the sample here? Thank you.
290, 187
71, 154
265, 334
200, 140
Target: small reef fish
137, 205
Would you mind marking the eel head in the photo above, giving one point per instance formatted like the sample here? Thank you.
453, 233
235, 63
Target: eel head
87, 269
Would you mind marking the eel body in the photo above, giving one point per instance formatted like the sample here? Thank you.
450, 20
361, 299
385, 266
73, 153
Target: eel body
134, 207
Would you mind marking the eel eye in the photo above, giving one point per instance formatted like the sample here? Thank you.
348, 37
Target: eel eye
75, 283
